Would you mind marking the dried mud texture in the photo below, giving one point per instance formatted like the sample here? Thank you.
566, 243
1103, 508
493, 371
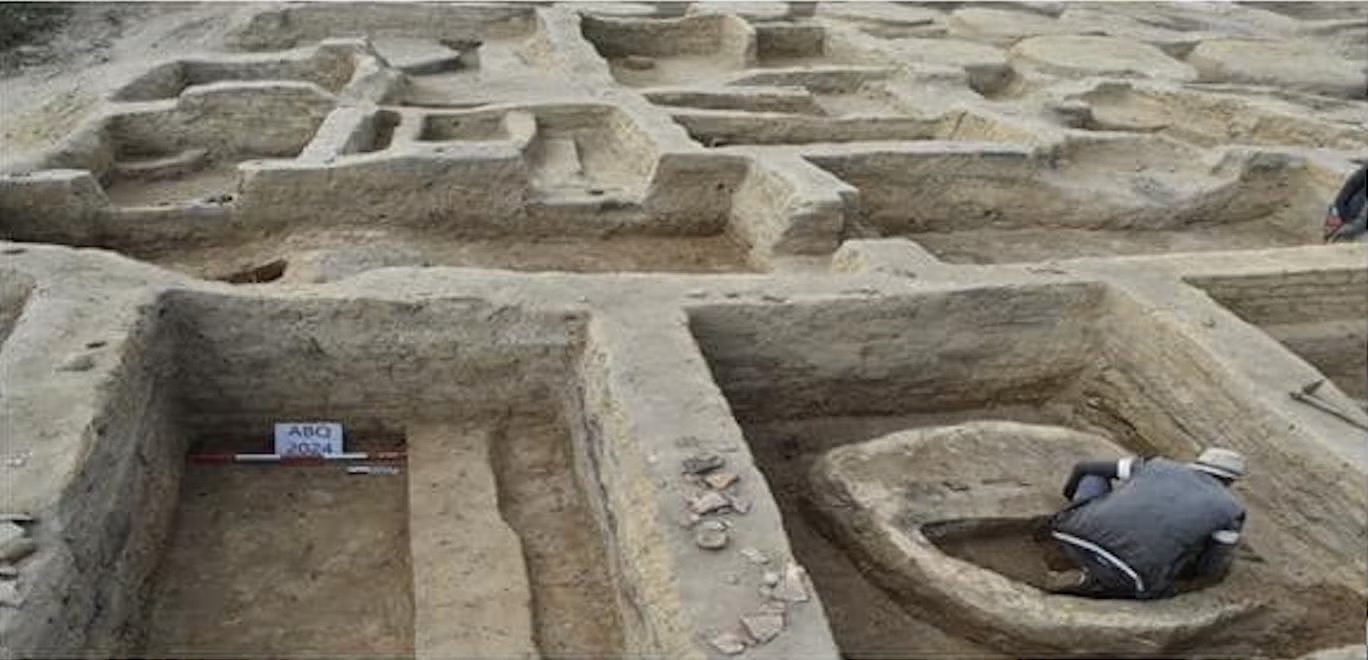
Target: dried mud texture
285, 561
565, 249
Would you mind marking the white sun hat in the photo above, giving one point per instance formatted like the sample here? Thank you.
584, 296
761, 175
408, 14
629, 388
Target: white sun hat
1224, 463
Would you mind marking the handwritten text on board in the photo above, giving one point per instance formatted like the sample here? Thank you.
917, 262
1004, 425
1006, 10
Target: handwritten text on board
308, 438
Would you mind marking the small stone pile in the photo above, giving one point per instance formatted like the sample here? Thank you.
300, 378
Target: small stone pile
716, 494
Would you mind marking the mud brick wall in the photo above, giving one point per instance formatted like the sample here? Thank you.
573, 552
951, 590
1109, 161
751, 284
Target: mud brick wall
229, 119
899, 355
789, 40
327, 67
287, 27
692, 35
479, 192
100, 558
1319, 315
1286, 298
1159, 392
247, 363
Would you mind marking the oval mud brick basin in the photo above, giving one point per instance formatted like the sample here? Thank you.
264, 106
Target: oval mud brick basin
906, 501
1079, 55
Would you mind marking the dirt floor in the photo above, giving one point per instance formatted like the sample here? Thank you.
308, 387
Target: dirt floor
274, 561
573, 603
215, 183
1014, 548
866, 621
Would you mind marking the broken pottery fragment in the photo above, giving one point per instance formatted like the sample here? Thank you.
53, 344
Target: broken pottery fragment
702, 463
708, 502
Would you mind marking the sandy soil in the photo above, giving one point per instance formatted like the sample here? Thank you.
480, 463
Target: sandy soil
44, 97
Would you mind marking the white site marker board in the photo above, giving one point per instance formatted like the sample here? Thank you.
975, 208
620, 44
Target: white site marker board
308, 438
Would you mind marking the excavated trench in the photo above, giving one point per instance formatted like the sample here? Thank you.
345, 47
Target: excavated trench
486, 542
188, 201
1077, 356
1317, 315
1088, 197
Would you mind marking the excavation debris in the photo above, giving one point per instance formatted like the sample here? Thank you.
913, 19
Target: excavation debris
720, 480
10, 532
754, 555
729, 642
703, 463
764, 625
709, 502
9, 594
792, 586
711, 535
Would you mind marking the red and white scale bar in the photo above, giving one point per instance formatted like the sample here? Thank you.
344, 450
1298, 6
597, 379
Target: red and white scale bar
315, 459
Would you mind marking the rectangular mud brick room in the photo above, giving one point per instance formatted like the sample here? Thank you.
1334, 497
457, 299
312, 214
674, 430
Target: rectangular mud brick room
762, 330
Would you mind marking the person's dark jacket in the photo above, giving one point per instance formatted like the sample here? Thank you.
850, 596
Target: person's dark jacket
1347, 217
1162, 521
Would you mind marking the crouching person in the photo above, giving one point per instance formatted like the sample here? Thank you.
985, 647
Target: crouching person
1134, 527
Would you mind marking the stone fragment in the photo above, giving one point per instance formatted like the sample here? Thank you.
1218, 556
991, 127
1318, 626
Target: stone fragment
10, 532
720, 480
9, 594
763, 626
729, 642
711, 535
740, 504
754, 556
17, 549
708, 502
792, 586
703, 463
78, 362
770, 578
638, 63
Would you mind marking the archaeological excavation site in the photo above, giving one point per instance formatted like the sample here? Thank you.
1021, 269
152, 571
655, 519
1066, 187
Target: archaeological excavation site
670, 330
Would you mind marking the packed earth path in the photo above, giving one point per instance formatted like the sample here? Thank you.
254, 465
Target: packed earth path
710, 329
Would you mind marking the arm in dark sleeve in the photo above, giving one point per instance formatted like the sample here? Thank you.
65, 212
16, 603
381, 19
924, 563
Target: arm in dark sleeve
1107, 469
1219, 552
1354, 186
